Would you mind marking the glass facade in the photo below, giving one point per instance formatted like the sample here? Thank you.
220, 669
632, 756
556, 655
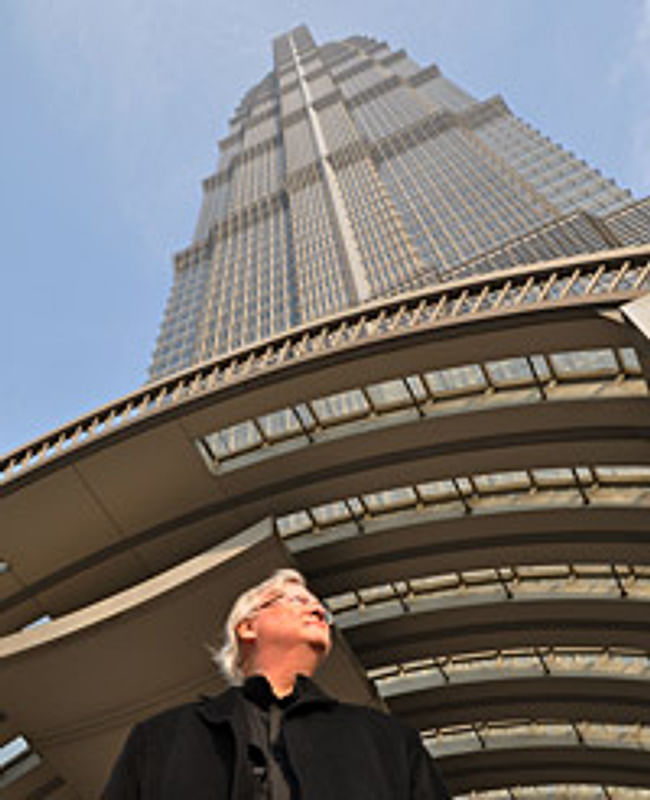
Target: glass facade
349, 173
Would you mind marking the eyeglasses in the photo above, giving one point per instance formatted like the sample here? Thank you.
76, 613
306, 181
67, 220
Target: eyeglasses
301, 601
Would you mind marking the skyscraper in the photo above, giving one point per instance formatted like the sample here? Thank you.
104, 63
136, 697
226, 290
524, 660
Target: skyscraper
351, 173
407, 352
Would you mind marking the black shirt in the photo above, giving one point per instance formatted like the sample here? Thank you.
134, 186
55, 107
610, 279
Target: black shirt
267, 753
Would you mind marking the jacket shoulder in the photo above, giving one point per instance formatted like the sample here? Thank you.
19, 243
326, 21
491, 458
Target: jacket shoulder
181, 716
394, 736
367, 713
372, 718
170, 716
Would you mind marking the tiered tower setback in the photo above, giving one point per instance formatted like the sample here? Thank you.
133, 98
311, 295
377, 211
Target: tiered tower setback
351, 173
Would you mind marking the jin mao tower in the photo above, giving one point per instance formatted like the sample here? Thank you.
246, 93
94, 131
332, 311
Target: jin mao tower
351, 173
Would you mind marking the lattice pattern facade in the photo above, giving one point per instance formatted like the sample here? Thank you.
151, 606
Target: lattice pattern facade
350, 173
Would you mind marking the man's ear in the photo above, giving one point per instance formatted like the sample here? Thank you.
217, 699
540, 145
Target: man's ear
246, 632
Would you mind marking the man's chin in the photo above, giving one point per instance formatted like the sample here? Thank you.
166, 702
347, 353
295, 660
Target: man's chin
321, 644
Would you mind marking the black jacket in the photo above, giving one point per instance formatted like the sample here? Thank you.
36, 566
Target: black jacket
337, 751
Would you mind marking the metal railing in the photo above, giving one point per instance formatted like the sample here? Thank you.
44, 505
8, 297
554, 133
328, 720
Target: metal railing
603, 279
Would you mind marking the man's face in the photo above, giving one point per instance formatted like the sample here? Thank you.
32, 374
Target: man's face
291, 616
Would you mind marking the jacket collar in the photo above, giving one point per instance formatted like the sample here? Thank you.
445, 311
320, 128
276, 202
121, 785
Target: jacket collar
227, 707
309, 695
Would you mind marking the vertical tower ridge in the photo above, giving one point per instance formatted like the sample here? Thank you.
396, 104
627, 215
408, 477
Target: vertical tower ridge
350, 172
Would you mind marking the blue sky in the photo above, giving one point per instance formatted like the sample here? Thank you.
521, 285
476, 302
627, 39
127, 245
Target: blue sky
111, 116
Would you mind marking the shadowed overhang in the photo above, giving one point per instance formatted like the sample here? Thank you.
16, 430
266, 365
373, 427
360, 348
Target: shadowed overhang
77, 685
546, 765
121, 526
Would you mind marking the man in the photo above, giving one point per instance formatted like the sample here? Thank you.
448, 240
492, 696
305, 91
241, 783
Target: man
274, 735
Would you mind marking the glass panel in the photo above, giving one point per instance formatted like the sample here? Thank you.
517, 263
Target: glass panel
434, 583
437, 491
509, 372
341, 602
331, 513
502, 481
376, 594
623, 474
458, 380
548, 478
630, 360
464, 486
298, 522
233, 440
494, 735
589, 363
540, 365
379, 502
390, 394
480, 577
305, 415
339, 407
280, 424
585, 475
417, 387
356, 507
13, 749
592, 570
36, 623
542, 571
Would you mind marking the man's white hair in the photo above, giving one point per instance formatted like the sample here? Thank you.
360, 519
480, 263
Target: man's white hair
229, 657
